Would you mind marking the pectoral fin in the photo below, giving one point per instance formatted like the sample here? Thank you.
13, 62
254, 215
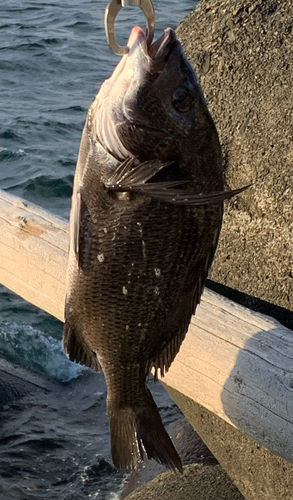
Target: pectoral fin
128, 176
134, 178
187, 197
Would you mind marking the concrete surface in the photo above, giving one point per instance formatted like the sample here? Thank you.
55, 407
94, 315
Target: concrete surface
258, 473
198, 482
242, 52
190, 447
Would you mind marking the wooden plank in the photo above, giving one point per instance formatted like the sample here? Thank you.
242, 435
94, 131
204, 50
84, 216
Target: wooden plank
239, 365
234, 362
33, 253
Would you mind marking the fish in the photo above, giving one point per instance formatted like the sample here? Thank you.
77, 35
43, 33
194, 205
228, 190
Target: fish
145, 220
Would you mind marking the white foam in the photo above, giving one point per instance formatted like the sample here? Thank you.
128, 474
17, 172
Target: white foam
32, 349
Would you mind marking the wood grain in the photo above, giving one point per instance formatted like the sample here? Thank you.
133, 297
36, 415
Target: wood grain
33, 253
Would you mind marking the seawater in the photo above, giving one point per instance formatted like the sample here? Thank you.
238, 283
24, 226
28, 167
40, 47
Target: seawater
54, 443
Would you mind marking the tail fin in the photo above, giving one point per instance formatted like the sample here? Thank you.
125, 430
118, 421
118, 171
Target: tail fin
136, 431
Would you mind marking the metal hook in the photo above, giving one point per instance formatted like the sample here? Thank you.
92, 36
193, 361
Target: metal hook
111, 13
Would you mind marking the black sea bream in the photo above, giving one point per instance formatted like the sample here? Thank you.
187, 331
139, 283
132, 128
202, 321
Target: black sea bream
144, 225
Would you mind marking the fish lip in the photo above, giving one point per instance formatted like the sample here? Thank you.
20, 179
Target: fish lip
156, 55
163, 47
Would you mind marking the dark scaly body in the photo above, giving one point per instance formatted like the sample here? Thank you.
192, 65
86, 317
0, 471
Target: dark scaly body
137, 268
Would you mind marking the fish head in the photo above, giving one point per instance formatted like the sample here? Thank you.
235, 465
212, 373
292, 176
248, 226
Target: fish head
152, 104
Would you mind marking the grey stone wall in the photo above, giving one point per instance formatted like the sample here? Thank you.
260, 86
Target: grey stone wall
243, 54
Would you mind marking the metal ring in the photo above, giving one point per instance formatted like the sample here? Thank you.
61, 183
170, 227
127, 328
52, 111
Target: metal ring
111, 13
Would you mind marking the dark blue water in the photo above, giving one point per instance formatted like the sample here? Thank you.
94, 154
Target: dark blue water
53, 58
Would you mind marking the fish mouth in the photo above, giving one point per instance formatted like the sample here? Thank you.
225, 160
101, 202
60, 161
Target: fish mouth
142, 60
155, 55
116, 105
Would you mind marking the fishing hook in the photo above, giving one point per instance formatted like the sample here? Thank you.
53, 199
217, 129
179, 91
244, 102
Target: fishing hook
111, 13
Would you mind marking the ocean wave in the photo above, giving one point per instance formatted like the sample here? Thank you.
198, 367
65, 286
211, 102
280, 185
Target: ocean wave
21, 46
60, 127
23, 9
53, 41
69, 109
46, 186
77, 24
32, 349
10, 134
8, 26
50, 187
7, 154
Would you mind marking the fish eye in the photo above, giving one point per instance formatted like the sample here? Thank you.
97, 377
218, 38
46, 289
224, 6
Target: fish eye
182, 99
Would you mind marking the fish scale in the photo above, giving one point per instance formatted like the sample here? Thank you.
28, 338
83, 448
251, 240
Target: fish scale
145, 220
